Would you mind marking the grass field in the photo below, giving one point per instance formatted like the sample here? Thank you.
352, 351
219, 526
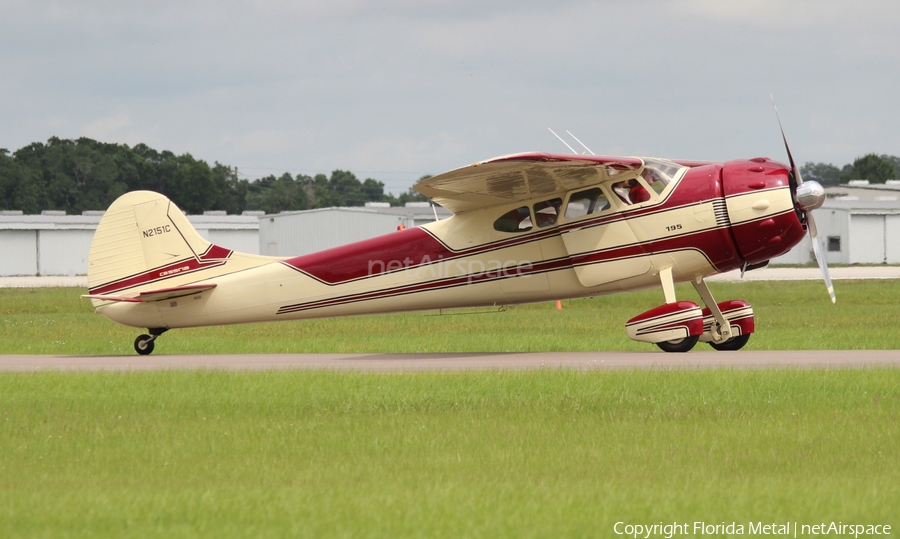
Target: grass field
534, 454
789, 315
494, 454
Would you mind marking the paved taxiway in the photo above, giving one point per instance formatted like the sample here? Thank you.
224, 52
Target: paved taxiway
584, 361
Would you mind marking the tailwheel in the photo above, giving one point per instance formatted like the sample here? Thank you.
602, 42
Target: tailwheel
734, 343
143, 345
679, 345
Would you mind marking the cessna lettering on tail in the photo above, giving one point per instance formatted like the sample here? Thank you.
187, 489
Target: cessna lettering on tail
173, 271
157, 231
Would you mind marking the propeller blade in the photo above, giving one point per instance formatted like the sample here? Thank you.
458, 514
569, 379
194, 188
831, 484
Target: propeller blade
820, 257
809, 199
811, 225
794, 169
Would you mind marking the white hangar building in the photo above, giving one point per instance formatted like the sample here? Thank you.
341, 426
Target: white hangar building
303, 232
54, 243
858, 224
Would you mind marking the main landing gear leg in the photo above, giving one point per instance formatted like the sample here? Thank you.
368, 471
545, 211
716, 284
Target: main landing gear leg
143, 345
677, 326
720, 328
721, 334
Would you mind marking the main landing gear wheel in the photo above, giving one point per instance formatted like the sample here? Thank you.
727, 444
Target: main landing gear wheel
734, 343
143, 345
679, 345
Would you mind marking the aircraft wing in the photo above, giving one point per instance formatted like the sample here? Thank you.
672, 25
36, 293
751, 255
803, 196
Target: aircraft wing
519, 177
156, 295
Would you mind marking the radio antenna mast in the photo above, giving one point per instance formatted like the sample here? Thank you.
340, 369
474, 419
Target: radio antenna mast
564, 142
579, 142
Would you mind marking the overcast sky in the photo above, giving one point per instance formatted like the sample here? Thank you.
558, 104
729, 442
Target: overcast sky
396, 89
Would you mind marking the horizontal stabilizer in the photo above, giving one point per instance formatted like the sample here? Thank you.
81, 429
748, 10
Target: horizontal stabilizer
161, 294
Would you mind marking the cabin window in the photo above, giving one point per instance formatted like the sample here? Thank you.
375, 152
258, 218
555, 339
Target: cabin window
517, 220
585, 203
546, 213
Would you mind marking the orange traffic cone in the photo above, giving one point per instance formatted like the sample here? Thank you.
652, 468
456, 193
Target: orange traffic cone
558, 305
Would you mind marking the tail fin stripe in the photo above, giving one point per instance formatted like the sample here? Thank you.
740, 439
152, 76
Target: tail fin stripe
161, 273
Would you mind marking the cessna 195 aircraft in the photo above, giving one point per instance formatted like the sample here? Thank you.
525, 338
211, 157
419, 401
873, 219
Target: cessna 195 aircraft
528, 227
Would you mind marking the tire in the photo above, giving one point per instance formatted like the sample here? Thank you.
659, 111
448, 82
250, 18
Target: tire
143, 345
734, 343
680, 345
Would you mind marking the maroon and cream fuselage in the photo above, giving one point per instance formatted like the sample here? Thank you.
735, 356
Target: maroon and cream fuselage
710, 218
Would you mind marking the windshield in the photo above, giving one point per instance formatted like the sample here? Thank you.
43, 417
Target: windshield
658, 173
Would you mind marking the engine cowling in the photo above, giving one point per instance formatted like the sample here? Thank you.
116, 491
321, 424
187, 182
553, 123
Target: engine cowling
765, 221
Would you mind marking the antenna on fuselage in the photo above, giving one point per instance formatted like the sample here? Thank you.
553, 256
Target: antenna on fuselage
579, 142
564, 142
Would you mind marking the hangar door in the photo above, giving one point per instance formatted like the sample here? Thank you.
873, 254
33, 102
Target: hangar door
892, 239
867, 239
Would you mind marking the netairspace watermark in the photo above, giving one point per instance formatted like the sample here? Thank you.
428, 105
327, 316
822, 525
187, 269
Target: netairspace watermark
788, 529
471, 269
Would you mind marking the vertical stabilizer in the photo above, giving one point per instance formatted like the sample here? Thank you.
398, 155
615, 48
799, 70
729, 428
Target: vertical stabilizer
145, 242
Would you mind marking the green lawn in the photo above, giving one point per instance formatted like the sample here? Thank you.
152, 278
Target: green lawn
789, 315
494, 454
498, 454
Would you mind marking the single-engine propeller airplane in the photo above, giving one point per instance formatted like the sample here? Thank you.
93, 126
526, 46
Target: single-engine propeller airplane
528, 227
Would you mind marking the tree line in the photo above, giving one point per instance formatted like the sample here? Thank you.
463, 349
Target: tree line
872, 167
84, 174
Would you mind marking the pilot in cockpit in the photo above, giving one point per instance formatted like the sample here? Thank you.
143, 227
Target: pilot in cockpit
637, 193
631, 192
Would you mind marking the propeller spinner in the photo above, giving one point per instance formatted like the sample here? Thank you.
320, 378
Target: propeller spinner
808, 196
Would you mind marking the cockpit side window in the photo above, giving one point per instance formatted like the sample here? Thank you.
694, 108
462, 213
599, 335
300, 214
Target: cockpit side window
585, 203
546, 213
517, 220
